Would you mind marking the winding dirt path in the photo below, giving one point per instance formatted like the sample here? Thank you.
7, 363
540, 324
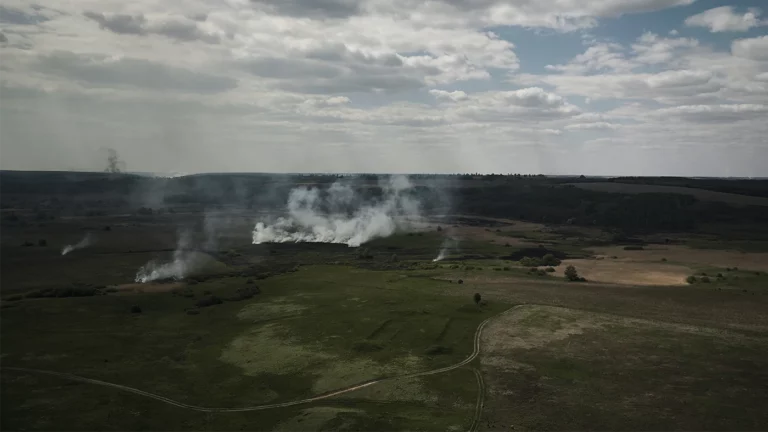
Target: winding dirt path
469, 359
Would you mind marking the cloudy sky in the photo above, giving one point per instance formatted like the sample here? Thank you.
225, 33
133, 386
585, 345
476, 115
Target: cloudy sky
603, 87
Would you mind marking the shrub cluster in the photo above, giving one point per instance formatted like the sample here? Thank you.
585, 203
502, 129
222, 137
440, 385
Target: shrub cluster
245, 293
68, 291
546, 260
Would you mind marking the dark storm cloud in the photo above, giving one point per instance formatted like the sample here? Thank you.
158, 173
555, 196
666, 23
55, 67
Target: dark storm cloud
313, 8
354, 84
338, 73
20, 17
183, 29
119, 23
340, 53
99, 71
286, 68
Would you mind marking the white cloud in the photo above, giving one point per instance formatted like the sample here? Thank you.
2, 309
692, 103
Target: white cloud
597, 58
754, 48
595, 125
725, 19
653, 49
454, 96
709, 113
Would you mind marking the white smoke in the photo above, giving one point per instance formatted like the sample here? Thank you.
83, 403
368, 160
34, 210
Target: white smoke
312, 218
85, 242
449, 244
184, 261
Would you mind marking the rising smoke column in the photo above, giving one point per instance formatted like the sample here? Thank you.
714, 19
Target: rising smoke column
315, 219
184, 261
85, 242
449, 244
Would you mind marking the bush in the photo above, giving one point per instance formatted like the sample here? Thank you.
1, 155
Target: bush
541, 273
438, 350
477, 298
691, 279
550, 260
27, 244
135, 309
633, 248
107, 228
208, 301
549, 270
663, 260
439, 228
363, 253
571, 274
16, 297
530, 262
193, 312
506, 268
245, 293
460, 281
720, 275
71, 291
111, 289
42, 242
704, 279
249, 281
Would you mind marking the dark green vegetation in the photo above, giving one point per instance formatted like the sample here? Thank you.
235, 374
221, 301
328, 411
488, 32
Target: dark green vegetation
260, 324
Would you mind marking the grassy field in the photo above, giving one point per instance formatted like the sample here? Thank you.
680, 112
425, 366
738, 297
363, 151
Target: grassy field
582, 370
620, 351
310, 332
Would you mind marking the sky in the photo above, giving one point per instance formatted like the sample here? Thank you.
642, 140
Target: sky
602, 87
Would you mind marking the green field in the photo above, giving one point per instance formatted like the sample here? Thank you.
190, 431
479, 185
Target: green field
554, 355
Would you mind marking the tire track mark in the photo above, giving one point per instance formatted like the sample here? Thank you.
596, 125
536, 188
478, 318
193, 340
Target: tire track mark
469, 359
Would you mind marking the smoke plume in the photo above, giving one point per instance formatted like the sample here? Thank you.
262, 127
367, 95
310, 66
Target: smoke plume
339, 215
114, 164
184, 261
449, 244
85, 242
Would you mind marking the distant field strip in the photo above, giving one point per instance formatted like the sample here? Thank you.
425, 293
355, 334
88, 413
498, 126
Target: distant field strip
469, 359
701, 194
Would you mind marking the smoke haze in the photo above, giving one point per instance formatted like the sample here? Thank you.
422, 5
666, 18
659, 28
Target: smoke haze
449, 244
341, 216
85, 242
184, 261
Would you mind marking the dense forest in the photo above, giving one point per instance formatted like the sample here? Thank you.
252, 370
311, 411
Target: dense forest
526, 197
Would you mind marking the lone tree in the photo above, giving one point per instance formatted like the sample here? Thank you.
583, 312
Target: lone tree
571, 274
477, 298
